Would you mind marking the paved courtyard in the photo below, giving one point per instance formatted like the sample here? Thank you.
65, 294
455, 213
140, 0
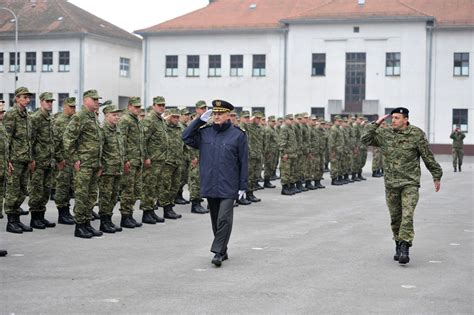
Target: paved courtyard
324, 251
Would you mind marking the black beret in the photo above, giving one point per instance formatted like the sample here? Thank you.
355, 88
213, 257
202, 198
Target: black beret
221, 106
400, 110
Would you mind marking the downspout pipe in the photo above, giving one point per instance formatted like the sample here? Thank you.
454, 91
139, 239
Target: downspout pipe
285, 71
81, 69
145, 72
429, 29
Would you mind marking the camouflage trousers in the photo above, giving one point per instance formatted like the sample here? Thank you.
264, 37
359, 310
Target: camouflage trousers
40, 189
300, 167
401, 204
458, 154
361, 159
86, 189
16, 187
377, 160
184, 174
270, 165
255, 171
347, 161
131, 186
194, 183
171, 181
287, 170
318, 166
2, 191
152, 185
109, 187
327, 157
309, 166
64, 185
336, 164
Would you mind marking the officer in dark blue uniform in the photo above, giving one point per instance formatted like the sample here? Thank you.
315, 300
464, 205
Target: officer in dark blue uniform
223, 165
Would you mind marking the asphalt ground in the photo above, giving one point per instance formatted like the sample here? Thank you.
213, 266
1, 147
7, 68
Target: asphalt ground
321, 252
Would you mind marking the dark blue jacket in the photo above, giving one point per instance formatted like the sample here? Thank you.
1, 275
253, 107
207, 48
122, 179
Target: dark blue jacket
223, 158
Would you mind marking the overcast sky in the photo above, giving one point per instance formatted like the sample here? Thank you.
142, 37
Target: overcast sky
138, 14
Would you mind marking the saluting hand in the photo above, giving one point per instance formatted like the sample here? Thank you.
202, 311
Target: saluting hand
381, 119
147, 163
10, 169
77, 165
437, 185
32, 166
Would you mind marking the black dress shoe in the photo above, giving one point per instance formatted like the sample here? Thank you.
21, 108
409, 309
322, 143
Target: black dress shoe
148, 217
3, 253
217, 260
81, 231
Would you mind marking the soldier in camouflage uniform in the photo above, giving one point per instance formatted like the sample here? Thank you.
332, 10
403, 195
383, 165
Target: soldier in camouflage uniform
64, 178
3, 156
347, 152
402, 145
320, 153
308, 151
336, 150
316, 147
155, 141
113, 161
172, 168
255, 143
362, 156
377, 162
244, 124
83, 143
288, 156
193, 184
298, 173
271, 152
458, 147
43, 154
19, 159
185, 161
131, 130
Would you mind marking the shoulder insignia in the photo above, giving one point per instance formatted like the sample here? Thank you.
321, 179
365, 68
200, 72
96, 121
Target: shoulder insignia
242, 129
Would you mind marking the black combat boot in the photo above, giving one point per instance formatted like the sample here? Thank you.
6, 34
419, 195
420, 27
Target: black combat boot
355, 178
404, 253
318, 185
285, 190
303, 188
126, 221
397, 251
157, 218
375, 173
268, 184
342, 180
23, 212
45, 221
64, 217
459, 168
243, 201
92, 230
137, 224
335, 181
309, 185
82, 232
117, 228
148, 217
94, 216
348, 179
197, 208
179, 200
381, 172
36, 222
12, 225
455, 169
251, 197
105, 224
3, 253
53, 194
359, 175
170, 214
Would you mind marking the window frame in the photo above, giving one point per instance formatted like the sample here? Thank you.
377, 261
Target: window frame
315, 62
11, 67
171, 71
392, 63
257, 69
47, 67
460, 60
235, 70
2, 62
64, 67
461, 118
124, 67
215, 66
192, 60
28, 58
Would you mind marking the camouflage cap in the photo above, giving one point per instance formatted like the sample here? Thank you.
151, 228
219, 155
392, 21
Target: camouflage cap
257, 114
92, 94
337, 117
159, 100
111, 109
22, 91
70, 101
280, 119
345, 119
135, 101
305, 115
245, 114
201, 104
313, 117
174, 112
289, 116
271, 118
107, 102
46, 96
233, 113
298, 116
185, 111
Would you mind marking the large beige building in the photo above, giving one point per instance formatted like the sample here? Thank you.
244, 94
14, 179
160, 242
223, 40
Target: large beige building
66, 50
323, 57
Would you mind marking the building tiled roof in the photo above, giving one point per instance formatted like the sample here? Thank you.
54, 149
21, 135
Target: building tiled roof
273, 14
57, 17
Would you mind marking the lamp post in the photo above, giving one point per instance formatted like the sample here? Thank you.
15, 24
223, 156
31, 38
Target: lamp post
16, 41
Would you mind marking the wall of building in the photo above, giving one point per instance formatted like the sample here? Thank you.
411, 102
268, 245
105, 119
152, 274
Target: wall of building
245, 91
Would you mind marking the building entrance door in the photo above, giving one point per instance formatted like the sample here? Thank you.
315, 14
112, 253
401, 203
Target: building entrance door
355, 82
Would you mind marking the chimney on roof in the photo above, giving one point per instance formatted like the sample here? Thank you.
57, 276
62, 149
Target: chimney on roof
211, 1
361, 2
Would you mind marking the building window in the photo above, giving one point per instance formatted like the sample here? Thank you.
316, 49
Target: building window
61, 98
47, 65
319, 65
1, 62
124, 67
461, 64
32, 105
214, 65
30, 65
11, 97
460, 118
12, 62
193, 66
392, 64
64, 61
258, 66
171, 66
317, 111
259, 108
388, 110
236, 65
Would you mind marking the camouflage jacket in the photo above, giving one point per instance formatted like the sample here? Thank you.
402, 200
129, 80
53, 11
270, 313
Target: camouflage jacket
113, 152
401, 150
255, 136
299, 138
59, 126
3, 150
287, 141
315, 140
305, 139
83, 139
175, 144
155, 138
18, 127
42, 139
458, 139
271, 141
322, 140
186, 150
132, 133
336, 140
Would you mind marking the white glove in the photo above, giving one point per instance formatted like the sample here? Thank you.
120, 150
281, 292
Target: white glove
205, 117
241, 194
